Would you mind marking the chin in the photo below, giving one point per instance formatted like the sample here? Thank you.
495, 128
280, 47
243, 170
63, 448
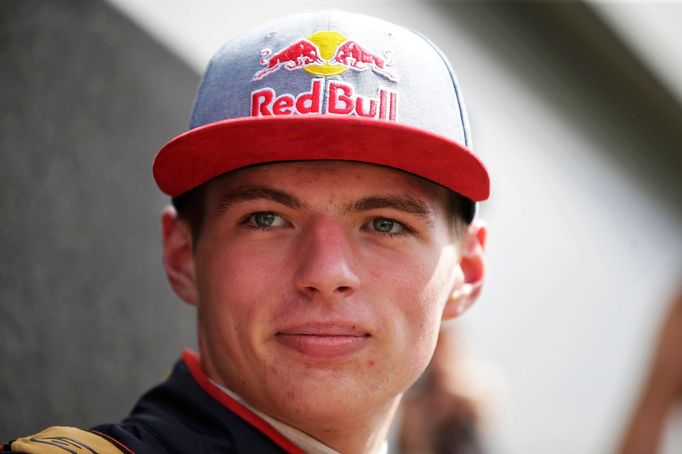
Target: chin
334, 395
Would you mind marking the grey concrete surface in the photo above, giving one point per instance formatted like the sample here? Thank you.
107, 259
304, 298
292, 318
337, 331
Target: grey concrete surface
86, 319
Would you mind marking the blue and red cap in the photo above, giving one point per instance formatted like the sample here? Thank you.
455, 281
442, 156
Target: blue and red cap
327, 86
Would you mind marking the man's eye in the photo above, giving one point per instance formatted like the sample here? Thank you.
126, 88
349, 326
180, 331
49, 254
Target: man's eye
265, 220
385, 225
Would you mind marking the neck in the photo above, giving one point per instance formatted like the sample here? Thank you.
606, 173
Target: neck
363, 434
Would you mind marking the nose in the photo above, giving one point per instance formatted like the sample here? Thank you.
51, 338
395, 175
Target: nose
325, 267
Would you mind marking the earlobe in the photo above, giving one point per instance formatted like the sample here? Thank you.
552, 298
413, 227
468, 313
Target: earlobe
472, 266
178, 260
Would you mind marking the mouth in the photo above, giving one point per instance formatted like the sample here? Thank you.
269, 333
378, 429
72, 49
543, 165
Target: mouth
324, 342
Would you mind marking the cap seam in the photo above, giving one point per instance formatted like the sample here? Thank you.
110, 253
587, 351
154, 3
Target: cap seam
455, 86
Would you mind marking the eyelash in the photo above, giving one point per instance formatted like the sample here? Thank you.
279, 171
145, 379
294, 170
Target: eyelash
249, 222
405, 229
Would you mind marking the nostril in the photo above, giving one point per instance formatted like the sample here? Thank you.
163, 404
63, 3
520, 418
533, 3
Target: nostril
340, 290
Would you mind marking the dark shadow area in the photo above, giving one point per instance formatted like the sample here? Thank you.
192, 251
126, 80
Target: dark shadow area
86, 319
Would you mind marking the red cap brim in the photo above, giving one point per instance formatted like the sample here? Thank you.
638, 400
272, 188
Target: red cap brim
201, 154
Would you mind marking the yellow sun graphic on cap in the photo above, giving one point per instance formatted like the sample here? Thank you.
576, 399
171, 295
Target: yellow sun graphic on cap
327, 41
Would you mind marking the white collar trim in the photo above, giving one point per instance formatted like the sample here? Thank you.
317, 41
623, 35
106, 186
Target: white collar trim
304, 441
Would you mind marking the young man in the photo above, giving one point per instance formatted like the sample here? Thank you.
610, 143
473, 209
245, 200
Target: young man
322, 225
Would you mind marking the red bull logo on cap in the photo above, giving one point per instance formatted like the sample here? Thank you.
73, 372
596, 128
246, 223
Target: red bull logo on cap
297, 55
325, 53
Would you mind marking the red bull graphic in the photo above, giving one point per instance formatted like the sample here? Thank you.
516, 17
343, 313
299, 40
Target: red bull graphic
294, 56
340, 99
352, 55
325, 53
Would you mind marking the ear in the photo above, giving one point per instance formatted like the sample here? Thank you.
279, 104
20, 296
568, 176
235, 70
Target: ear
472, 265
178, 260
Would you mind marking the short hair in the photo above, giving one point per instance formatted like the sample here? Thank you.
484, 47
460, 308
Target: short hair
190, 209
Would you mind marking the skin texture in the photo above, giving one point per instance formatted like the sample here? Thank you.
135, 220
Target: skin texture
320, 289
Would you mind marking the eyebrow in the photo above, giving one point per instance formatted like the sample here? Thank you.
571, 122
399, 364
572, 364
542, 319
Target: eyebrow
405, 204
257, 192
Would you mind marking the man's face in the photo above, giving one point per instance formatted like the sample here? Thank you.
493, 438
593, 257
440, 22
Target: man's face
321, 286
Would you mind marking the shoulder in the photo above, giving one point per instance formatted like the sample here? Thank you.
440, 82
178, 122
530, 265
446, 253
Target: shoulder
61, 439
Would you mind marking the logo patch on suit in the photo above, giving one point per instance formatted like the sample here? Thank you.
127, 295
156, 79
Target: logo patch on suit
62, 440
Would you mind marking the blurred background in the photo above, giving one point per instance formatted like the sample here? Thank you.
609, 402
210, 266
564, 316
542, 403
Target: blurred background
576, 109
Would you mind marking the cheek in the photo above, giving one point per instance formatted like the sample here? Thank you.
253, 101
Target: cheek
238, 268
420, 284
232, 286
420, 288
